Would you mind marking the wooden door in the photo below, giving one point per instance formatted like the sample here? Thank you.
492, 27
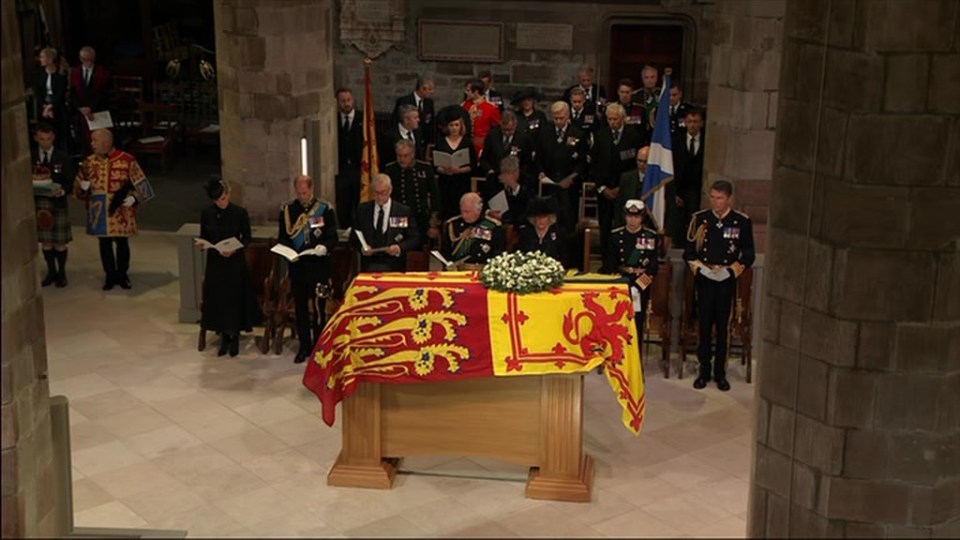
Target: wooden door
634, 45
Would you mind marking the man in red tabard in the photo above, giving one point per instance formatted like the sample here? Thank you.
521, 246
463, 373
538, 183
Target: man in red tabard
483, 114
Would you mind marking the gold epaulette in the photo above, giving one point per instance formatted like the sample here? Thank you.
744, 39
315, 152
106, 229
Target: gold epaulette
394, 162
651, 230
618, 229
741, 213
451, 220
495, 221
424, 162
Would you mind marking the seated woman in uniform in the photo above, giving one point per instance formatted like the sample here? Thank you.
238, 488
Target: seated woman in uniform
544, 233
229, 302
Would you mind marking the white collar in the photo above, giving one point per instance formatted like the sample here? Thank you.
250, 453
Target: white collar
386, 208
403, 131
350, 115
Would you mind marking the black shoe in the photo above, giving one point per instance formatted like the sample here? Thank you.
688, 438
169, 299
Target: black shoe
49, 280
61, 281
108, 284
723, 385
224, 345
124, 283
701, 383
300, 358
234, 345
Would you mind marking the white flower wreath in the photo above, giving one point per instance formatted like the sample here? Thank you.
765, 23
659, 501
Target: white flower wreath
522, 273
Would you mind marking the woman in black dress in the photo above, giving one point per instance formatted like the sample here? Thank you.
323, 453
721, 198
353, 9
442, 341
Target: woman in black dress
454, 181
543, 234
229, 302
50, 95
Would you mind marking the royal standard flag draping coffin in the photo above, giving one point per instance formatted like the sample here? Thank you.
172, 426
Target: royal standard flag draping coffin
419, 327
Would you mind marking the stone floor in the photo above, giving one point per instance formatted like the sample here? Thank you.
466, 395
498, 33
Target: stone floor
167, 437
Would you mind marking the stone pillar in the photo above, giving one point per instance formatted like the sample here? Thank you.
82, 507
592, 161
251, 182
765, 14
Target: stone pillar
742, 108
28, 483
274, 73
858, 431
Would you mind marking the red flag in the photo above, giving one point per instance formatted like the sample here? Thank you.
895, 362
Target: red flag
368, 166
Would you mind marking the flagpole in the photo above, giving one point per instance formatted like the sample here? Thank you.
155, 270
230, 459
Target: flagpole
368, 166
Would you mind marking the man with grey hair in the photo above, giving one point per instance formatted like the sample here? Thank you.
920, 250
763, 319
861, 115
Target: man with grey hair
562, 164
504, 141
89, 83
517, 194
595, 94
471, 239
613, 153
407, 128
422, 99
389, 230
416, 187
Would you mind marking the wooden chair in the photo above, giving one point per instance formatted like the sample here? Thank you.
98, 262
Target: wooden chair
740, 327
126, 96
591, 247
263, 268
589, 210
658, 319
160, 126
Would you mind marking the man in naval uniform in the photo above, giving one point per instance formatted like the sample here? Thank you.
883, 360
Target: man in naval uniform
308, 225
470, 239
719, 248
634, 253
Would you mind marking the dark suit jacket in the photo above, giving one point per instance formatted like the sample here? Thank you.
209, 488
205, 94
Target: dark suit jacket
688, 170
427, 123
608, 162
676, 119
58, 84
598, 92
495, 99
93, 95
553, 244
407, 237
387, 140
521, 145
588, 120
68, 171
516, 215
350, 143
559, 159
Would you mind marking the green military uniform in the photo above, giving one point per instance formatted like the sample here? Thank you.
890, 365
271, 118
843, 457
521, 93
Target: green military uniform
417, 188
473, 243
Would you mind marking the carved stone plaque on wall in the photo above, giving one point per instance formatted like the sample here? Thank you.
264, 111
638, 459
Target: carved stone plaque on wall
551, 37
460, 41
372, 26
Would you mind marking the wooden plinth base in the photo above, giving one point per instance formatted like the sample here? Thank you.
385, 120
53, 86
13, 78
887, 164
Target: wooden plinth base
574, 489
378, 476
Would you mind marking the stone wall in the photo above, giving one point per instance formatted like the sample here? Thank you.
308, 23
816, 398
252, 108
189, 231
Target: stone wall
28, 483
274, 74
744, 83
396, 71
858, 432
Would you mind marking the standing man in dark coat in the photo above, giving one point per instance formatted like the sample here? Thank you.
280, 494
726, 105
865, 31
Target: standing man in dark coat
422, 99
684, 197
350, 154
614, 152
308, 225
389, 229
719, 247
503, 141
407, 129
90, 83
595, 94
562, 164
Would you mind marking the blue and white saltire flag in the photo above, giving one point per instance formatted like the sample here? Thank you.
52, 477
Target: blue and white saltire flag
660, 160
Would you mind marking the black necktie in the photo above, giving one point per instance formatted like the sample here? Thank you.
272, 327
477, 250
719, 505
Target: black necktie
559, 135
346, 122
616, 137
86, 77
420, 105
506, 142
379, 224
693, 145
46, 158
